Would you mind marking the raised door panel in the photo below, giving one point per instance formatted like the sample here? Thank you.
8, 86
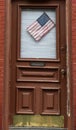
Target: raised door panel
25, 73
50, 101
25, 102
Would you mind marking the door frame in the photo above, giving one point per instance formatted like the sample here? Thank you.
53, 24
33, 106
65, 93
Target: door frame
8, 65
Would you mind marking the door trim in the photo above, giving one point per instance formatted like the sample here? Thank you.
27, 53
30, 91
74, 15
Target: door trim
6, 95
38, 6
69, 65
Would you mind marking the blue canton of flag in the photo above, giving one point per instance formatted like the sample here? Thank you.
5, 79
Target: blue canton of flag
40, 27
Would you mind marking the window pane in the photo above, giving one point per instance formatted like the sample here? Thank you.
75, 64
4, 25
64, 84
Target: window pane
46, 46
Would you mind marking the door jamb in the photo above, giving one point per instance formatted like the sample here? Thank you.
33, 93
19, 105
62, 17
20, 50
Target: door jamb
69, 66
7, 65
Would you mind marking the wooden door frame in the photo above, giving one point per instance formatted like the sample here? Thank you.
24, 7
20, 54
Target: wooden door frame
7, 65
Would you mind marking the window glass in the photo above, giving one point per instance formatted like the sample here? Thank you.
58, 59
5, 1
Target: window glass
45, 46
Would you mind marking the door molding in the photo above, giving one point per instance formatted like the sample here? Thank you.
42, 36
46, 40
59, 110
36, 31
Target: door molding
69, 61
7, 65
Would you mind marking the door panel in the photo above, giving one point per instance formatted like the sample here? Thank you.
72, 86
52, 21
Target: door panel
50, 101
38, 79
25, 100
35, 74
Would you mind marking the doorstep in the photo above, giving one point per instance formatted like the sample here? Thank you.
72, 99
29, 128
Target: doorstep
35, 128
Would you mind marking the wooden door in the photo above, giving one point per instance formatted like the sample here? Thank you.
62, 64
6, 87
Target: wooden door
38, 67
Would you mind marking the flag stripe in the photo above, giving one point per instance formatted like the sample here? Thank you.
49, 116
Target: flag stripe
44, 27
34, 28
43, 30
32, 25
44, 33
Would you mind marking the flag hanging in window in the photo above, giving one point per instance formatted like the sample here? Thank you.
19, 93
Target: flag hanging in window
40, 27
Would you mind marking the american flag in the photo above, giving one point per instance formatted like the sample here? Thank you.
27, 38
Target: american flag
40, 27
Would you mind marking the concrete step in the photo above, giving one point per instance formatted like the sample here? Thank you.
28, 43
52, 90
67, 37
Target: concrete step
35, 128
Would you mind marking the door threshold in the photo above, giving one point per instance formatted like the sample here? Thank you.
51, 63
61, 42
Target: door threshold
35, 128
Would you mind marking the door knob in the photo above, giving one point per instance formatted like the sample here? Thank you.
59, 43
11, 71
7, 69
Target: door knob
63, 72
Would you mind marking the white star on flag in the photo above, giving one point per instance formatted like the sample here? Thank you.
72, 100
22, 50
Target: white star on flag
40, 27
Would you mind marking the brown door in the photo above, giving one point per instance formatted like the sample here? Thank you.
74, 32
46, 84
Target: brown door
38, 58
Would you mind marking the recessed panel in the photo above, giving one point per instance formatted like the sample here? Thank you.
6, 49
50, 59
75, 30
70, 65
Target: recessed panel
38, 33
50, 101
25, 100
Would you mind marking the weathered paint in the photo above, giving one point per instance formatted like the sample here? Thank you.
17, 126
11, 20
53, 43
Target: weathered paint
39, 121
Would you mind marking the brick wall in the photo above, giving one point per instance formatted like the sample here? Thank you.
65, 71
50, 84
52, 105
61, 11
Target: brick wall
74, 58
2, 22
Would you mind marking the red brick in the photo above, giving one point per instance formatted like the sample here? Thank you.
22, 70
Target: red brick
2, 31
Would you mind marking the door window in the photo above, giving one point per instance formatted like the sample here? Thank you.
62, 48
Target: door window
40, 40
